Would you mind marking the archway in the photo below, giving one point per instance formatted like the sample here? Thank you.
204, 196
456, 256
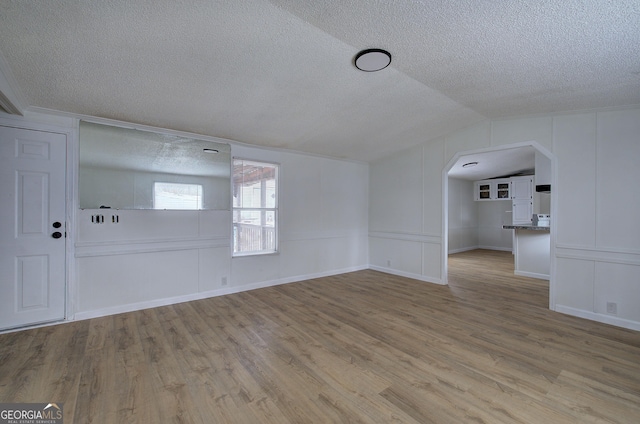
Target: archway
503, 151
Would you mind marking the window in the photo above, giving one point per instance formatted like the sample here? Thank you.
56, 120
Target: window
177, 196
255, 207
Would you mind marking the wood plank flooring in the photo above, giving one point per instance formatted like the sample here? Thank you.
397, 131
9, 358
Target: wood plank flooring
363, 347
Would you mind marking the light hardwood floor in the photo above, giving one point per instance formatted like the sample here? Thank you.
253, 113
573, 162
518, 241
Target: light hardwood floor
364, 347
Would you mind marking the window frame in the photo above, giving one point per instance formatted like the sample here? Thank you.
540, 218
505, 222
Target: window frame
275, 209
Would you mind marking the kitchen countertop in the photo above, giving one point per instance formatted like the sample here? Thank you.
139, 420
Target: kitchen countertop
526, 227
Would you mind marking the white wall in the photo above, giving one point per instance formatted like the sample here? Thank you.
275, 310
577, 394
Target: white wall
476, 225
151, 258
148, 256
463, 216
405, 213
492, 215
595, 218
598, 230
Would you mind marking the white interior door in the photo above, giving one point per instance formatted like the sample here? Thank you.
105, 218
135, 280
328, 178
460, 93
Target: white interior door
32, 227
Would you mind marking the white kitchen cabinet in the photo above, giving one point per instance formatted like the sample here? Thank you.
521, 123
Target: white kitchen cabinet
521, 188
503, 189
499, 189
483, 190
521, 211
522, 199
517, 189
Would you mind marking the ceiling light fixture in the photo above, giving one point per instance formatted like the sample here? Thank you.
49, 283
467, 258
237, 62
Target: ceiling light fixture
372, 60
469, 164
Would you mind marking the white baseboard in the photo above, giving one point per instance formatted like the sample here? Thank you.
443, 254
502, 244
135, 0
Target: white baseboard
606, 319
532, 275
406, 274
466, 249
502, 249
593, 316
463, 249
130, 307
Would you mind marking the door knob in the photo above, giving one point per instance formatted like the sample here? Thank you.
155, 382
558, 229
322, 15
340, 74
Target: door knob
56, 235
57, 224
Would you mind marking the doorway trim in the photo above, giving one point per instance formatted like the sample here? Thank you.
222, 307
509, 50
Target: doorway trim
554, 193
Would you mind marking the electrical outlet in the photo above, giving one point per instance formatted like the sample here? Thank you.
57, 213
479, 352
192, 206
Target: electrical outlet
97, 219
223, 281
612, 308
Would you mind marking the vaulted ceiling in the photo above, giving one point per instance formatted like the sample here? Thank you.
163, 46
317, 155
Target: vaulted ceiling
280, 73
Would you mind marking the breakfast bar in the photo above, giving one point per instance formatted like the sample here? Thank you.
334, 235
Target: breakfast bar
532, 250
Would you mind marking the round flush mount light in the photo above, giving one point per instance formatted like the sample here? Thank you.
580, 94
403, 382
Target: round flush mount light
372, 60
469, 164
211, 151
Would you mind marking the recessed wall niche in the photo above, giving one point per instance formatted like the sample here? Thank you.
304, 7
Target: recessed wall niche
123, 168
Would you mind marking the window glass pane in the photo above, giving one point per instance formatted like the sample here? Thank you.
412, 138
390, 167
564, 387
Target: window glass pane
255, 201
177, 196
254, 184
269, 218
247, 217
270, 189
248, 196
254, 231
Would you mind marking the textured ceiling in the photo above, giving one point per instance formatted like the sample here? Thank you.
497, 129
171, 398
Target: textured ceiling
280, 73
